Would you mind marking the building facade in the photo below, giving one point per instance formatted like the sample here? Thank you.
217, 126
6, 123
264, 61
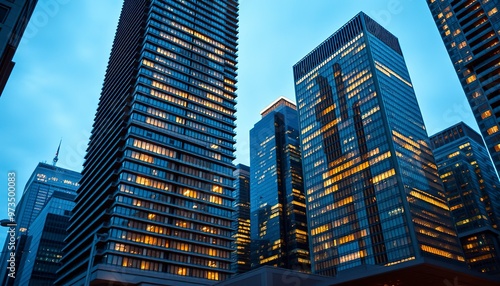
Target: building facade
469, 29
371, 183
44, 181
14, 17
472, 188
277, 203
155, 202
47, 233
241, 255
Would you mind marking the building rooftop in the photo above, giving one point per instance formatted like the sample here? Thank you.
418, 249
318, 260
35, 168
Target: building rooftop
454, 133
281, 101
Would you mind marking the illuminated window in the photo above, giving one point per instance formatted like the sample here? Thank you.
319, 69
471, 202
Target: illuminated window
492, 11
492, 130
182, 271
213, 275
486, 114
471, 79
497, 148
217, 189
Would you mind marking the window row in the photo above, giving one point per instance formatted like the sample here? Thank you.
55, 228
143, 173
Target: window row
199, 207
162, 220
132, 249
210, 176
133, 263
138, 237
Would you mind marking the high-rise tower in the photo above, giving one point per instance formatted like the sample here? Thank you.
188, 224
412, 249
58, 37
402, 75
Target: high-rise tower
43, 182
155, 201
277, 201
372, 188
241, 255
471, 33
43, 253
473, 192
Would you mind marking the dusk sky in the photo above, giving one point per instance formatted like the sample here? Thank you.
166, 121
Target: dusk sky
54, 89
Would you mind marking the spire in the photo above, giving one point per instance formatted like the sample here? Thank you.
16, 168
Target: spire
56, 158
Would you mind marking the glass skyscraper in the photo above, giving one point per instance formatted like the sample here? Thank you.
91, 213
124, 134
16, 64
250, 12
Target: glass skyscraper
155, 202
43, 182
241, 194
46, 240
277, 201
470, 32
373, 192
473, 192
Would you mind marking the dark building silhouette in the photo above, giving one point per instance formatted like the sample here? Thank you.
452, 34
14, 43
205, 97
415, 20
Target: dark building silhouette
473, 192
241, 194
277, 203
469, 29
374, 199
14, 17
155, 204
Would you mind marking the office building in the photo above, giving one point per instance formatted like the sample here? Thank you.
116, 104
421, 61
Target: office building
277, 201
39, 265
155, 204
408, 276
473, 192
275, 276
373, 193
470, 32
241, 194
14, 17
43, 182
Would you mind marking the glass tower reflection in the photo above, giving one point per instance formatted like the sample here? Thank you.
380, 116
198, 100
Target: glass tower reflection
277, 203
373, 194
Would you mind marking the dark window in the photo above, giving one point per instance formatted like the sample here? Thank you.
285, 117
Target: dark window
4, 11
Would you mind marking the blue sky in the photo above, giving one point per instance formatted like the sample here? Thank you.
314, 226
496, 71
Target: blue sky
60, 65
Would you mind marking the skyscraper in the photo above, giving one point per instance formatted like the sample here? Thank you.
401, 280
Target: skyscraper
372, 188
43, 182
155, 202
473, 192
277, 201
470, 32
241, 257
14, 17
39, 265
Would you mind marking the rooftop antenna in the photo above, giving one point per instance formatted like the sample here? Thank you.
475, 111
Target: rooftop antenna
56, 158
